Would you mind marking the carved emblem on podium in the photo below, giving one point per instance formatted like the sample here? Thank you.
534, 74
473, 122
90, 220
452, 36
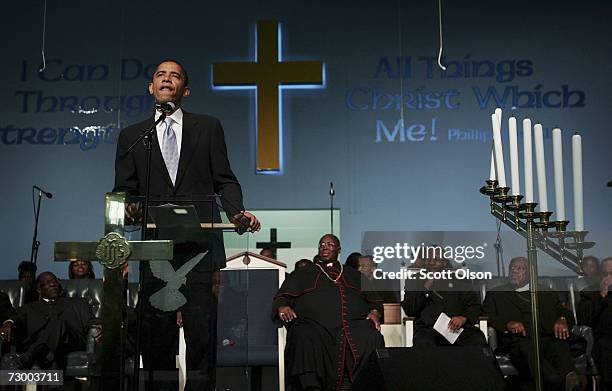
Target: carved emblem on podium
113, 250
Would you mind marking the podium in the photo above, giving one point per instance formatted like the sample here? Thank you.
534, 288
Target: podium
251, 281
107, 368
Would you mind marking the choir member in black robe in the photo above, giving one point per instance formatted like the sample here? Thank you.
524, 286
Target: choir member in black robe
332, 325
509, 310
595, 310
47, 330
427, 299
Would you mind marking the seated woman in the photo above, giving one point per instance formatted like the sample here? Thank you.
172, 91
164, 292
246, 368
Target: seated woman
80, 270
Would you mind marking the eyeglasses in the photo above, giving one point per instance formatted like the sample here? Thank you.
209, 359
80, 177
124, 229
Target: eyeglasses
327, 244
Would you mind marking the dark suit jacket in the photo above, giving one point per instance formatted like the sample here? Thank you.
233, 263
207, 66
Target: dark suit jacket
456, 300
203, 169
34, 317
595, 311
504, 304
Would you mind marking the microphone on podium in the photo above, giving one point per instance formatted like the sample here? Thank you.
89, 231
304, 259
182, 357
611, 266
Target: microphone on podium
166, 107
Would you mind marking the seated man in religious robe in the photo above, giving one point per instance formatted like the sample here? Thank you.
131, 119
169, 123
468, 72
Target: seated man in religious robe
332, 324
45, 331
509, 310
595, 310
427, 299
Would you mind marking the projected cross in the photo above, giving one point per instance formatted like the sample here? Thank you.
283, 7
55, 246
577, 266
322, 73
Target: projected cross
273, 244
267, 74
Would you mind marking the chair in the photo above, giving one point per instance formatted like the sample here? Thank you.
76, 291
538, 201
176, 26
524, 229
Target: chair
15, 289
78, 362
585, 365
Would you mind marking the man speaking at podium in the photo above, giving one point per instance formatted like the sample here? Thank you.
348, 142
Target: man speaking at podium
189, 159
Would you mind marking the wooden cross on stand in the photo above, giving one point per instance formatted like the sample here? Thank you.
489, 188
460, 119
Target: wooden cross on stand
113, 250
273, 244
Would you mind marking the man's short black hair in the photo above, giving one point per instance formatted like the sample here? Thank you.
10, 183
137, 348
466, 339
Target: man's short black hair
40, 276
609, 259
334, 238
353, 260
590, 258
177, 63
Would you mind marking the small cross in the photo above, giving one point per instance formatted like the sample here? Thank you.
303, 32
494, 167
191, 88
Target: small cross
273, 244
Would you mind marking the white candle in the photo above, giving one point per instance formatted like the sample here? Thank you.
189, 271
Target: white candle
499, 154
528, 164
577, 174
492, 171
498, 113
538, 136
558, 174
514, 158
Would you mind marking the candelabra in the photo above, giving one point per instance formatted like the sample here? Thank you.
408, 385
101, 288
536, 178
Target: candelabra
541, 233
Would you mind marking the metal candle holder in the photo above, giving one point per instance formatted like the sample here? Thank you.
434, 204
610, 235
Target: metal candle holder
564, 246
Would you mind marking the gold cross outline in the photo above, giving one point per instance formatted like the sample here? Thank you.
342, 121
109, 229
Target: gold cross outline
268, 74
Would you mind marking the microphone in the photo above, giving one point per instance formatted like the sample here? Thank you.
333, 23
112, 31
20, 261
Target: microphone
165, 106
46, 193
332, 192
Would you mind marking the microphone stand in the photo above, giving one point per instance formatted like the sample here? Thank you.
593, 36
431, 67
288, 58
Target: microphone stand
146, 137
332, 193
35, 241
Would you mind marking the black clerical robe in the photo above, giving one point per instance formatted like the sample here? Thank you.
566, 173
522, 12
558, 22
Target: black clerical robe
504, 304
452, 297
59, 326
596, 311
331, 337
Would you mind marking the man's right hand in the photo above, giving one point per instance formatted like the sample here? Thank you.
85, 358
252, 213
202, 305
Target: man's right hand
6, 330
605, 286
132, 214
286, 313
515, 327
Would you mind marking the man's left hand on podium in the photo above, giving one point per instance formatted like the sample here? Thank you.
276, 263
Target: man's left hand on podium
247, 220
